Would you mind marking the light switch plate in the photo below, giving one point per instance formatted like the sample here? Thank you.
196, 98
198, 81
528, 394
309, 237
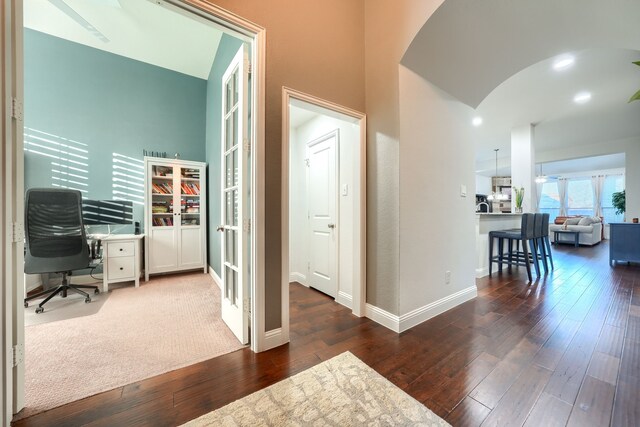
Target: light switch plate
463, 190
345, 190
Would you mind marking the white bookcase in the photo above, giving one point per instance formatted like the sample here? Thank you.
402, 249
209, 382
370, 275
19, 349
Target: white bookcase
175, 221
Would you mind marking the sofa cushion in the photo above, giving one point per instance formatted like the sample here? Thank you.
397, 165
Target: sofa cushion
581, 228
586, 220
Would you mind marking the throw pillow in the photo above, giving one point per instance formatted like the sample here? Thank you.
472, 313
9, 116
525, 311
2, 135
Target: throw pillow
573, 221
586, 220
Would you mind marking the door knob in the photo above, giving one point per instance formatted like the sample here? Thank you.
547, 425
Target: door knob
331, 226
220, 228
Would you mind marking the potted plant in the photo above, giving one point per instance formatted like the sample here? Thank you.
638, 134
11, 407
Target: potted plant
618, 200
519, 198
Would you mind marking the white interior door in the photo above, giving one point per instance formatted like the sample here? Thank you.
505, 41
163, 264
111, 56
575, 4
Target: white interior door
323, 237
235, 196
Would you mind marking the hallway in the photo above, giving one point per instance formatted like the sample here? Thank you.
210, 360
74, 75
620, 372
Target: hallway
566, 348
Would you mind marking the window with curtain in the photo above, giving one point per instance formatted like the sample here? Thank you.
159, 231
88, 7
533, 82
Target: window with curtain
550, 200
580, 197
612, 184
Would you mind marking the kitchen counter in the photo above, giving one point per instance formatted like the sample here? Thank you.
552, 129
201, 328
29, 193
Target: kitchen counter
486, 222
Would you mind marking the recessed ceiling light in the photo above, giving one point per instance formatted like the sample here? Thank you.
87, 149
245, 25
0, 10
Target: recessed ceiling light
477, 121
582, 98
563, 63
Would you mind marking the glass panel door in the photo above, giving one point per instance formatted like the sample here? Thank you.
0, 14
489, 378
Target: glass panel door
235, 196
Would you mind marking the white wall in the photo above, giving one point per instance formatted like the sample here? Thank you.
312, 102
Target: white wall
349, 135
437, 225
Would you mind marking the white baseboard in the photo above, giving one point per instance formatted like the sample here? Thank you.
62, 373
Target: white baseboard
345, 299
421, 314
215, 276
272, 339
382, 317
31, 282
424, 313
298, 277
482, 272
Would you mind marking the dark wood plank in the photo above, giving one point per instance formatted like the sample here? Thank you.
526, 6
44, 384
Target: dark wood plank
593, 405
469, 413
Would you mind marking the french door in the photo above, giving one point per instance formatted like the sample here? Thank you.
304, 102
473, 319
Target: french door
235, 196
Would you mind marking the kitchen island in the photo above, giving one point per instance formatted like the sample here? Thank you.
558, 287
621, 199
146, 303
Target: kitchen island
486, 222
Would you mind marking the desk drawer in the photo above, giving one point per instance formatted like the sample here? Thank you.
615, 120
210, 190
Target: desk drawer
121, 267
118, 249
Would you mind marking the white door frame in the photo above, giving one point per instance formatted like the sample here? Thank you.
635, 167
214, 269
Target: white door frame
12, 170
11, 209
360, 209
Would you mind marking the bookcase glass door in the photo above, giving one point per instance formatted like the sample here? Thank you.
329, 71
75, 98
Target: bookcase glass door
162, 200
233, 185
190, 211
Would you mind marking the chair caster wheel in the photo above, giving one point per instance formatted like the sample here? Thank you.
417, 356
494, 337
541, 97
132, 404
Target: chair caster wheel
26, 304
87, 300
39, 310
97, 291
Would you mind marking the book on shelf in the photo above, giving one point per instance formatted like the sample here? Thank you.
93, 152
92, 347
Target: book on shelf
190, 188
191, 173
162, 188
163, 222
163, 171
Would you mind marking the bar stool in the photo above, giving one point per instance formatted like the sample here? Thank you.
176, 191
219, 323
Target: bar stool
526, 235
538, 241
545, 238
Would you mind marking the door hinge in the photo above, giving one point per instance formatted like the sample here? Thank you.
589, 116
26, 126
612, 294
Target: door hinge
247, 145
17, 355
17, 109
246, 225
17, 232
247, 66
306, 162
247, 306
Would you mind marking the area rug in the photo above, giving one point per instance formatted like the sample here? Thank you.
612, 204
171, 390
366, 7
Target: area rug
165, 324
342, 391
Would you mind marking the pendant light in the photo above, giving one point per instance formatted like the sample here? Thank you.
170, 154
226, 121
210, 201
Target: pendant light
495, 195
542, 177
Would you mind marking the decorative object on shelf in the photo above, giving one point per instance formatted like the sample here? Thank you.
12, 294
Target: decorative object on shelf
519, 198
618, 200
496, 195
542, 178
634, 220
161, 155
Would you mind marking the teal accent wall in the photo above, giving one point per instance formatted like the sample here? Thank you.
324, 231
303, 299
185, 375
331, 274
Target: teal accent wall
89, 114
226, 51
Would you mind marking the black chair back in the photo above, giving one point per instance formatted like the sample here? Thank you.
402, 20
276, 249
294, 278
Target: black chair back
538, 225
527, 227
545, 225
55, 236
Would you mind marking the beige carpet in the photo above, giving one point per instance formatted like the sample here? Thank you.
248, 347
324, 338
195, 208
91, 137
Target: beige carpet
167, 323
342, 391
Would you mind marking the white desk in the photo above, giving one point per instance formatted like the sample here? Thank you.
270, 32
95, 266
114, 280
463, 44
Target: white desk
122, 259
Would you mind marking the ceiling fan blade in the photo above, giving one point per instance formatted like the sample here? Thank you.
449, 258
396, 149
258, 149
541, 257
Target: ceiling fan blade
71, 13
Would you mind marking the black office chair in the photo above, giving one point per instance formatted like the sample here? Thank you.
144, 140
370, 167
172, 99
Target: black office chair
55, 240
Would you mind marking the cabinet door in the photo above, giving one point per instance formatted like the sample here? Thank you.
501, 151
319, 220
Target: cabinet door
190, 209
163, 244
190, 253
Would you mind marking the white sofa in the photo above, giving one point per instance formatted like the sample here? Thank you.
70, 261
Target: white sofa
590, 229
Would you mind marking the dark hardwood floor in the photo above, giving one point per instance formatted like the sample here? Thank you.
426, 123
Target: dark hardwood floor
564, 350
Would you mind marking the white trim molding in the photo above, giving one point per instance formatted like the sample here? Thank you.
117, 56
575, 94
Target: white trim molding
482, 272
415, 317
345, 299
298, 277
383, 317
273, 339
215, 277
421, 314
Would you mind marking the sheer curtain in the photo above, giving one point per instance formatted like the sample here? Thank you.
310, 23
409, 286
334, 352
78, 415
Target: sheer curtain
562, 192
597, 183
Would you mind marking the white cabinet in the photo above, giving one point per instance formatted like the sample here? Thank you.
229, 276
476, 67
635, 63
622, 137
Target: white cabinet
175, 222
122, 258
